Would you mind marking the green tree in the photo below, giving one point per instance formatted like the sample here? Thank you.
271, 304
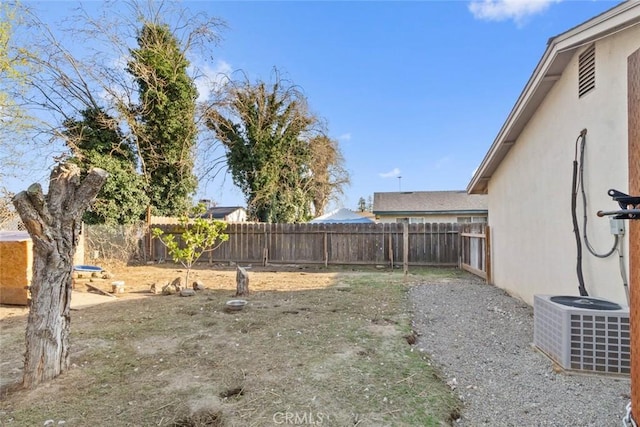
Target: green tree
62, 84
274, 148
13, 58
97, 141
14, 73
9, 63
362, 204
200, 235
168, 131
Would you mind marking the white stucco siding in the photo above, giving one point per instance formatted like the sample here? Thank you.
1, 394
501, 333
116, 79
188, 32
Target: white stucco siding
429, 218
239, 215
533, 245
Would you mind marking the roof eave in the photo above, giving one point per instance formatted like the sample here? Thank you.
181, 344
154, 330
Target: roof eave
444, 212
560, 50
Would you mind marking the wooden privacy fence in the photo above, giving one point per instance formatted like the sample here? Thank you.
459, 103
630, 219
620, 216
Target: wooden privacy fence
436, 244
475, 249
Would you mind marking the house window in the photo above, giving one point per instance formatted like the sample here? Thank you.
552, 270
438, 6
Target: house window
467, 219
587, 71
410, 220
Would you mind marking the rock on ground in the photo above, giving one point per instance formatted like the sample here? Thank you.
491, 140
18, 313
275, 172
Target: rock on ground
482, 341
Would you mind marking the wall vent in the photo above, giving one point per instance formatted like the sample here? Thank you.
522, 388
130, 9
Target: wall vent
583, 339
587, 71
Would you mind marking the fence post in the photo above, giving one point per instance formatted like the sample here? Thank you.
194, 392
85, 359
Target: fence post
265, 250
487, 253
390, 248
405, 248
151, 254
326, 251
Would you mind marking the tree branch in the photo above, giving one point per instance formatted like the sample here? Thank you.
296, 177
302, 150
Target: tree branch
89, 188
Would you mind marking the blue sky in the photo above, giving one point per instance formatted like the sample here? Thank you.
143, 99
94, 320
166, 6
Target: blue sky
414, 89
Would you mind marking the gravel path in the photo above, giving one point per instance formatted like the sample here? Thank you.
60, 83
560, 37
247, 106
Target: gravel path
481, 340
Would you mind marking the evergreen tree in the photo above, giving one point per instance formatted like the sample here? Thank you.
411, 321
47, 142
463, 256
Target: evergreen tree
362, 205
96, 141
167, 116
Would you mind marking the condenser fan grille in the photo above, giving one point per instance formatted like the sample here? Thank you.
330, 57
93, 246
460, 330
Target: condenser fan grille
600, 343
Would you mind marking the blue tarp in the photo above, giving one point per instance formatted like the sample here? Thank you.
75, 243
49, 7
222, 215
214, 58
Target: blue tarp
341, 216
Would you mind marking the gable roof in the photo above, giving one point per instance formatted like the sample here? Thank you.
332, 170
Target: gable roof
429, 202
560, 50
220, 212
341, 216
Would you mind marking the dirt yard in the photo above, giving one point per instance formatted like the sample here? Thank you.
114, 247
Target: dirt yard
138, 280
312, 346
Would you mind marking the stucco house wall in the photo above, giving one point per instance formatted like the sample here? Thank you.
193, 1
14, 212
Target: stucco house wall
435, 218
533, 244
226, 213
239, 215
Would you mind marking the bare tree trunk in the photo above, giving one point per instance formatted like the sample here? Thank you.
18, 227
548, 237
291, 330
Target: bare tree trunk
242, 282
54, 222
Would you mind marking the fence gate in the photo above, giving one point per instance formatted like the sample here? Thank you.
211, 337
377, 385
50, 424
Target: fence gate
475, 249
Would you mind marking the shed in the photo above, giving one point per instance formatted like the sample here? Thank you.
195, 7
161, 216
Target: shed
16, 260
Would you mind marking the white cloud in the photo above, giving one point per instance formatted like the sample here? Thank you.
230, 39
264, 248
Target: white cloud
391, 174
122, 81
210, 79
502, 10
345, 137
441, 162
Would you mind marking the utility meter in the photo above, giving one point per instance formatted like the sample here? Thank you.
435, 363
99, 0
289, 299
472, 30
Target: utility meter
617, 226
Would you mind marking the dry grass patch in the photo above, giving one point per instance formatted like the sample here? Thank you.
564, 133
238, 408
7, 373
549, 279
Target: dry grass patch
335, 354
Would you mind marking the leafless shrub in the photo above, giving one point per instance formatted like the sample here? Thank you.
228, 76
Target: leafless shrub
9, 218
115, 243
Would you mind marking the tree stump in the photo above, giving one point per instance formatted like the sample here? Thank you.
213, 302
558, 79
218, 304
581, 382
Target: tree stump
242, 282
54, 223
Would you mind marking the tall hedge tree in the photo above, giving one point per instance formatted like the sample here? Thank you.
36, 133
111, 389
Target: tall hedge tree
268, 133
97, 141
167, 112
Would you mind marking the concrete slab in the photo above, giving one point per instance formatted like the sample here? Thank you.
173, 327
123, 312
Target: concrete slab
87, 299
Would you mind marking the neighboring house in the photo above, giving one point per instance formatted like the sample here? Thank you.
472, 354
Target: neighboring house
429, 206
226, 213
579, 83
342, 216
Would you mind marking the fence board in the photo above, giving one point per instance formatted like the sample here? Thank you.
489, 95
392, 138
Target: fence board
329, 244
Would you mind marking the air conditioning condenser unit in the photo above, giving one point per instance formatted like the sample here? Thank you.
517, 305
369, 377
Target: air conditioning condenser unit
583, 333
